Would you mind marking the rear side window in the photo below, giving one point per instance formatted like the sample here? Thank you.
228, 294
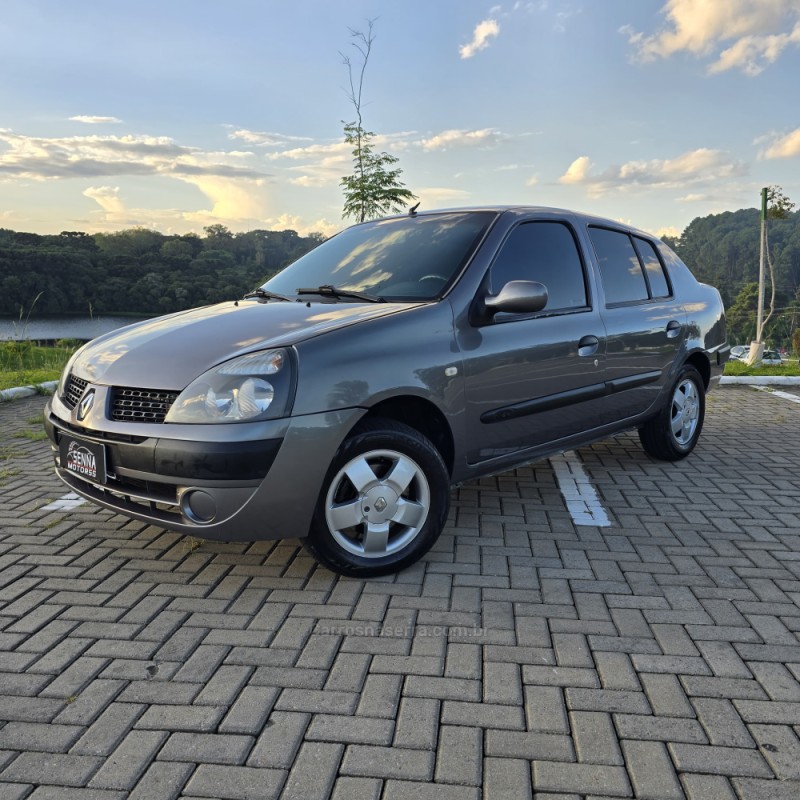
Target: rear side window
620, 270
545, 252
652, 264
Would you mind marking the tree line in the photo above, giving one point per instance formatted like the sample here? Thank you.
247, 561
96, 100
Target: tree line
138, 270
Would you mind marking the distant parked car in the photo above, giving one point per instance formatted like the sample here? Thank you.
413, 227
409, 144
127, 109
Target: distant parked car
340, 401
771, 358
739, 352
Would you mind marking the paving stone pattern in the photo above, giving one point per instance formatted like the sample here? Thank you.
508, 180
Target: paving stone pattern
524, 657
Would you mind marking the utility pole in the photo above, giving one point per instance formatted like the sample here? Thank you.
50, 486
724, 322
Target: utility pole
757, 347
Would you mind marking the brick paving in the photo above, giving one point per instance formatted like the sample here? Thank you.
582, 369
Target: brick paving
524, 657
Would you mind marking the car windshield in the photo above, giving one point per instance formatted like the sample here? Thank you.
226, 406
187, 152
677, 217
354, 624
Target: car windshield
399, 259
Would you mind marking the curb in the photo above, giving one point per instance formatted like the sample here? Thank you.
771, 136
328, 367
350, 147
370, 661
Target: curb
760, 380
27, 391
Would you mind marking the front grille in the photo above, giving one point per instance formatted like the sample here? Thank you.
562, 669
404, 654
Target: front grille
140, 405
73, 391
107, 436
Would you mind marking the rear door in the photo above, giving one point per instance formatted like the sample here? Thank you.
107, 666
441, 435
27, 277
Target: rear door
645, 324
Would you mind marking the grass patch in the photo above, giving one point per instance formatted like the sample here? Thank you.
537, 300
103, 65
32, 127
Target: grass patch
26, 364
6, 473
190, 543
36, 419
792, 368
34, 436
9, 452
26, 377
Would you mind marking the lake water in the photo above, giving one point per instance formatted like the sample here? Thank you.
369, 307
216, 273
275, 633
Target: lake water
48, 328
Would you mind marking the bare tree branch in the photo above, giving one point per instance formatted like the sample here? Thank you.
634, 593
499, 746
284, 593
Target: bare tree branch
374, 189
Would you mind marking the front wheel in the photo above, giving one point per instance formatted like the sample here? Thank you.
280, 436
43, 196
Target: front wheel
384, 501
673, 433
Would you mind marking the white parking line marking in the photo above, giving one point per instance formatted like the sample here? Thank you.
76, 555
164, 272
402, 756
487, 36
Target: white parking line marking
65, 503
785, 395
582, 501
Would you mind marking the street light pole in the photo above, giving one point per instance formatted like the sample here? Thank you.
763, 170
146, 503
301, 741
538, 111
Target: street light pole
757, 347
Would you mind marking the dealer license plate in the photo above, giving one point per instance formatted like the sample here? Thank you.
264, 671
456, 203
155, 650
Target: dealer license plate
86, 460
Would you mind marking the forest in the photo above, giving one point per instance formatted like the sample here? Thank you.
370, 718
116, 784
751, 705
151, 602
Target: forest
138, 270
145, 272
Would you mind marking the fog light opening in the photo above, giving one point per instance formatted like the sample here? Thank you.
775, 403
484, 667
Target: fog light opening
199, 507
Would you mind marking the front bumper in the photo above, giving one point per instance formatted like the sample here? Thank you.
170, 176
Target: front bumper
231, 482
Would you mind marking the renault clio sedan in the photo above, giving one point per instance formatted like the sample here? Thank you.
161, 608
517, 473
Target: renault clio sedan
340, 401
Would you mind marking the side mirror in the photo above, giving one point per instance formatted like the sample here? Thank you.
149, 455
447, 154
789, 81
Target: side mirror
516, 297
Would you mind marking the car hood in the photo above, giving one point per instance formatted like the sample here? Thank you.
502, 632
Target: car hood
170, 352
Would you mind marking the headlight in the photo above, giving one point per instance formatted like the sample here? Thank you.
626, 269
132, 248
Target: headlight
251, 387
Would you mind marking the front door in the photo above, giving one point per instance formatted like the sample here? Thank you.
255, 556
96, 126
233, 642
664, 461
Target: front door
535, 378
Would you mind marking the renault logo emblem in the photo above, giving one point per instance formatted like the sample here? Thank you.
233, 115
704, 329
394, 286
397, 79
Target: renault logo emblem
87, 401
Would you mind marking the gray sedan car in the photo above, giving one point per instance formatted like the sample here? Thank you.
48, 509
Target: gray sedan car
340, 401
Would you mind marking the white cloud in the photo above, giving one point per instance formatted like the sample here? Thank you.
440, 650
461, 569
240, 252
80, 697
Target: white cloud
266, 139
787, 146
233, 187
486, 137
540, 5
90, 120
114, 215
317, 164
107, 197
231, 199
239, 205
9, 216
694, 197
532, 181
563, 16
40, 158
699, 166
335, 149
295, 223
324, 164
738, 34
753, 53
577, 171
484, 32
310, 180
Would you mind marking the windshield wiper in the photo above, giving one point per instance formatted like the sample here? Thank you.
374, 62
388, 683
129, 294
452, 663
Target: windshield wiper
263, 294
326, 290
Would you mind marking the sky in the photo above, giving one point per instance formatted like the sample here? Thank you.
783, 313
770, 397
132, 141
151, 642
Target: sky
178, 114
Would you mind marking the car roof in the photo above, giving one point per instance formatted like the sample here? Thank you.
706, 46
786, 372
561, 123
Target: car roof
589, 219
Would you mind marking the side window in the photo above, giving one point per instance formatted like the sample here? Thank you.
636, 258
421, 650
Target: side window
620, 270
655, 272
544, 252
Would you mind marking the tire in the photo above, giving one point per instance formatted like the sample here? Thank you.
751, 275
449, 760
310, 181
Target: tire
396, 513
673, 433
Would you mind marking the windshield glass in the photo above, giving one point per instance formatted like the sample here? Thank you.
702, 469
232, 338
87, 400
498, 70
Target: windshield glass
405, 258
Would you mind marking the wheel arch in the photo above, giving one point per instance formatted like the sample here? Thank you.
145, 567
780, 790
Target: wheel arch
422, 415
700, 361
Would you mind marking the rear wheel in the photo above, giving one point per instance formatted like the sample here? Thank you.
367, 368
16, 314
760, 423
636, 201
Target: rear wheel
674, 432
384, 501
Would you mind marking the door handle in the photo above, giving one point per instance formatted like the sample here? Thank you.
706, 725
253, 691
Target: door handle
588, 345
673, 329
